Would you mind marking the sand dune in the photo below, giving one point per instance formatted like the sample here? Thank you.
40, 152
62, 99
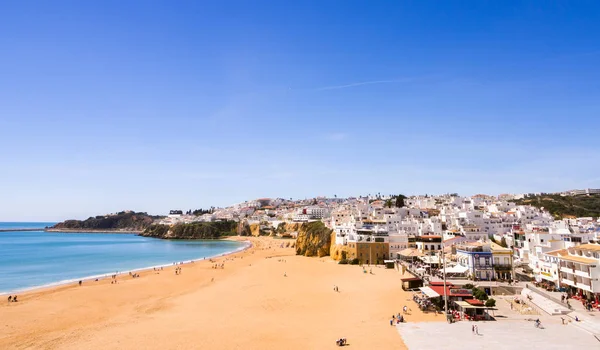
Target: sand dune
249, 305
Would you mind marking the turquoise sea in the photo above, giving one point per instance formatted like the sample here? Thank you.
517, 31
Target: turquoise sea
38, 258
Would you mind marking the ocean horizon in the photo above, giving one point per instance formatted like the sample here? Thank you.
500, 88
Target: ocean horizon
32, 259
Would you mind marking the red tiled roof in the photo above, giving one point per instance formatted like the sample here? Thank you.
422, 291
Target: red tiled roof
440, 291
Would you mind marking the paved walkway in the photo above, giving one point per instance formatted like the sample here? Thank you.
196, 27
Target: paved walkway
507, 334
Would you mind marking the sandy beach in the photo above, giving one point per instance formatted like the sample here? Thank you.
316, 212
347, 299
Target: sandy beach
264, 298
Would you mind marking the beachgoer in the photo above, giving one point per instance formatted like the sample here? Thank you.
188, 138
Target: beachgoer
285, 274
14, 299
9, 298
80, 283
391, 322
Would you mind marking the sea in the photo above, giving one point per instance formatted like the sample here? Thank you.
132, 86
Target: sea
31, 259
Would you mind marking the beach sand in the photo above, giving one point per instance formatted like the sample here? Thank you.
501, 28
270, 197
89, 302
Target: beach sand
249, 305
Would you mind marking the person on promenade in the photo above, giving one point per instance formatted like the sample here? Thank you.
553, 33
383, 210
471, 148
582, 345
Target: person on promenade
473, 329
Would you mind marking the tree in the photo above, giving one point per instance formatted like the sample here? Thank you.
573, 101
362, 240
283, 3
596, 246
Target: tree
491, 302
400, 200
388, 203
503, 243
479, 294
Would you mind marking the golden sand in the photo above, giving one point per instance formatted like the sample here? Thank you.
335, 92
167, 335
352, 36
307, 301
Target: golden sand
250, 304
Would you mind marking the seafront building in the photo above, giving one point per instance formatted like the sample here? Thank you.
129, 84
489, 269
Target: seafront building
576, 268
486, 237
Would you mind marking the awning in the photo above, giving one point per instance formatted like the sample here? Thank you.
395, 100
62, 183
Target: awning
429, 292
430, 259
410, 252
465, 305
457, 269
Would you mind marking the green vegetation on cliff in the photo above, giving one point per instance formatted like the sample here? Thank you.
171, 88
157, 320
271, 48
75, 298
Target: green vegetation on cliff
314, 239
559, 206
197, 230
125, 220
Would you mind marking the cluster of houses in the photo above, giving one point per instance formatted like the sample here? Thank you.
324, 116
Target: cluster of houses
480, 237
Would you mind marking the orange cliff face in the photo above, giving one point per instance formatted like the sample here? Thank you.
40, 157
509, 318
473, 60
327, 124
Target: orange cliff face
314, 239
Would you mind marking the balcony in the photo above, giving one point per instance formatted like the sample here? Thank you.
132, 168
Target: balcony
581, 273
568, 269
502, 266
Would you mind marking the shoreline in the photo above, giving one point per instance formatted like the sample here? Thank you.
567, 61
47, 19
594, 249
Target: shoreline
68, 230
246, 245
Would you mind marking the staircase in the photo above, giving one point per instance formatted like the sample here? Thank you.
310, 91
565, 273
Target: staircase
543, 303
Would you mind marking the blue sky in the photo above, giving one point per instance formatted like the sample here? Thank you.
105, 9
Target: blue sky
155, 105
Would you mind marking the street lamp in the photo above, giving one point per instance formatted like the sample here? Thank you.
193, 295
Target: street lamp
445, 291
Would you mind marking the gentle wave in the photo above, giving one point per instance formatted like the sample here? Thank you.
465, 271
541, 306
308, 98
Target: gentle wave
33, 260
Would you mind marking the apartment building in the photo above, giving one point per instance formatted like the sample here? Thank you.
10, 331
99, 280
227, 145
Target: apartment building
579, 269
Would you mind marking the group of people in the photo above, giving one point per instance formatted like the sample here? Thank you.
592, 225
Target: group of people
335, 288
219, 266
424, 303
341, 342
396, 319
12, 299
178, 270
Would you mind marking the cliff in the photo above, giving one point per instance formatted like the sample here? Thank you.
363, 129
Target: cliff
123, 221
314, 239
197, 230
338, 251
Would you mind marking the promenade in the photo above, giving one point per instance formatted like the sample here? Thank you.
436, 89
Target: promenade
496, 335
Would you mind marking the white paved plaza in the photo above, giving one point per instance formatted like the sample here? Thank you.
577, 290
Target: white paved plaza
505, 334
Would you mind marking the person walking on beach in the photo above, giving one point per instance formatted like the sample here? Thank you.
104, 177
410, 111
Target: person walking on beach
80, 283
9, 298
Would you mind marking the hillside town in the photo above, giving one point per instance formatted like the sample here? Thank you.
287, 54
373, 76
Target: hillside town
481, 237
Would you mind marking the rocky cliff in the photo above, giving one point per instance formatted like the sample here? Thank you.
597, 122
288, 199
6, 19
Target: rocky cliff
197, 230
123, 221
338, 251
314, 239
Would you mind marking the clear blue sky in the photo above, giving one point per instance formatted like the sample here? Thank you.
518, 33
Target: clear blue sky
157, 105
